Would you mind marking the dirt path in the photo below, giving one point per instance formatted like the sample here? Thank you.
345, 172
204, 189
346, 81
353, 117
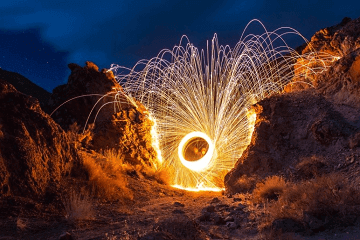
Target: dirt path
167, 214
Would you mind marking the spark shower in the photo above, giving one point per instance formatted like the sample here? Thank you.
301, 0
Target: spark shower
200, 100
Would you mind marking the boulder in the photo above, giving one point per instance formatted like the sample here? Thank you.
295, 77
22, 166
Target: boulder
289, 128
35, 153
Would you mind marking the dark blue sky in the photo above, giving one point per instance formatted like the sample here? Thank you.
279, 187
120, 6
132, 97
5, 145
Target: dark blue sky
39, 38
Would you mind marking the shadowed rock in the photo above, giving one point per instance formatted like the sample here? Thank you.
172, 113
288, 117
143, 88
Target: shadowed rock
35, 152
337, 41
289, 128
83, 81
24, 85
294, 130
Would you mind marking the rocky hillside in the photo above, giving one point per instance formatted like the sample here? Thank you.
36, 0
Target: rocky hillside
314, 126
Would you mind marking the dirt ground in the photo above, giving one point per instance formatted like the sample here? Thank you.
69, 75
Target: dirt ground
159, 213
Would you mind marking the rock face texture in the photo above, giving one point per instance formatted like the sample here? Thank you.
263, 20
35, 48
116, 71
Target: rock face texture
124, 127
289, 129
35, 152
331, 44
314, 128
129, 132
92, 85
338, 40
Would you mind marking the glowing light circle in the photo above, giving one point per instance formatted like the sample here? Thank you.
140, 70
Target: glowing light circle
202, 163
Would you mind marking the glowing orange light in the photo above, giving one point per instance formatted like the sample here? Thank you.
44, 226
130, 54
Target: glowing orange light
202, 163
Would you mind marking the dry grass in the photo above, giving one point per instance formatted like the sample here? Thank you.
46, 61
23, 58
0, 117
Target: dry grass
330, 198
270, 189
245, 184
311, 167
21, 224
106, 177
78, 206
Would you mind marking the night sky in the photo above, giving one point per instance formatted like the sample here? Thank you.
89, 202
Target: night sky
39, 38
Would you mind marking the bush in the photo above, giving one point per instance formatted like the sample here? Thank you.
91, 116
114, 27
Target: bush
78, 206
330, 200
106, 178
270, 189
245, 184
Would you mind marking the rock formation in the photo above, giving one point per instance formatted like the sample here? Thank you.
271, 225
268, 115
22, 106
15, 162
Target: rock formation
333, 42
124, 127
92, 85
35, 152
317, 126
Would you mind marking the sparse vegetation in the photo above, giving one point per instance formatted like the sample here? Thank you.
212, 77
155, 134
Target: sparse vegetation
245, 183
106, 177
270, 189
78, 205
330, 200
21, 224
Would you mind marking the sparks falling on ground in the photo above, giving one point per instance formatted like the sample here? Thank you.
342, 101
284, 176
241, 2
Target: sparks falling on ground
201, 100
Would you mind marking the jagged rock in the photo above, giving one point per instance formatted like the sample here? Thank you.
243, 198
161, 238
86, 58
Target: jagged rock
339, 40
35, 152
83, 81
178, 204
329, 44
231, 225
288, 128
215, 200
341, 83
180, 227
127, 130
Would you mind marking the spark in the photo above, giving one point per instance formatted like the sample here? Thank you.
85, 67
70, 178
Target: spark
205, 97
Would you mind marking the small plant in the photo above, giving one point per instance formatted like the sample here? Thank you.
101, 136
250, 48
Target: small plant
245, 184
21, 224
78, 206
270, 189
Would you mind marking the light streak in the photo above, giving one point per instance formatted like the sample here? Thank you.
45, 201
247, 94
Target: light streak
208, 94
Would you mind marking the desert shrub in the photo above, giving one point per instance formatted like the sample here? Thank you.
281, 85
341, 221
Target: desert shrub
330, 198
21, 224
78, 205
269, 189
245, 184
106, 178
161, 175
117, 163
311, 167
